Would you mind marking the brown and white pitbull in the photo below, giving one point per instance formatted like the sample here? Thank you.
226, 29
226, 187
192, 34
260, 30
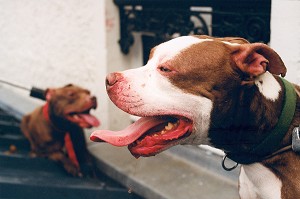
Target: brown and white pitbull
223, 92
50, 127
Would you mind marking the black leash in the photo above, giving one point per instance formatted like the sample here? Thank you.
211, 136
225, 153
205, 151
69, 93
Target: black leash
34, 91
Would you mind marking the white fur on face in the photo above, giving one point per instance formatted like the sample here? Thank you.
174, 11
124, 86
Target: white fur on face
150, 93
268, 86
257, 181
170, 49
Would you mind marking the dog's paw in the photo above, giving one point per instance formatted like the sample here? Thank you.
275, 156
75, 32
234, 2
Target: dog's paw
73, 170
88, 170
32, 154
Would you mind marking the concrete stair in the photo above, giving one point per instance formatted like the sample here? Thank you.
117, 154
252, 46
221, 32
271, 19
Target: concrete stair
167, 175
182, 172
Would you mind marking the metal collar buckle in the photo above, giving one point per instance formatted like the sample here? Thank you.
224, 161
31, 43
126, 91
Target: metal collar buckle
228, 168
296, 140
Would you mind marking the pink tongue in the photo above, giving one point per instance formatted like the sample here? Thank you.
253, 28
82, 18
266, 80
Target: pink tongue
91, 120
129, 134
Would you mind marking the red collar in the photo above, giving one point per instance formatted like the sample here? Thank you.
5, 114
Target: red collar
47, 116
68, 142
46, 112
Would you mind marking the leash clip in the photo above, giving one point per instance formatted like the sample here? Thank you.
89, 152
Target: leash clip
228, 168
296, 140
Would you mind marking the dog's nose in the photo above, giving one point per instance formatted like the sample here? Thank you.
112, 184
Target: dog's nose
111, 79
94, 101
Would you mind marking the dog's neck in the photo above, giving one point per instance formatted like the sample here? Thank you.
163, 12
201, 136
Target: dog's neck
49, 118
61, 133
257, 128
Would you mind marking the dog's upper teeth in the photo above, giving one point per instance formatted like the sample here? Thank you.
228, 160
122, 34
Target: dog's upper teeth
169, 126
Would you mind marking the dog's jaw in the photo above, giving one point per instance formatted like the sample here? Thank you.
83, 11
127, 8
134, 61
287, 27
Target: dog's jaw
75, 105
145, 92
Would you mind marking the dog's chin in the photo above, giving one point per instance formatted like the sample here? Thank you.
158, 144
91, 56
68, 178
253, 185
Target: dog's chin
149, 135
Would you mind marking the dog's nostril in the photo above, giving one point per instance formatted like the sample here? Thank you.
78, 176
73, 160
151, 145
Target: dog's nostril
106, 82
111, 79
93, 98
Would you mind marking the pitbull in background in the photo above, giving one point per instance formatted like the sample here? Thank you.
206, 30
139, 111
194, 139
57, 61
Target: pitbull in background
57, 127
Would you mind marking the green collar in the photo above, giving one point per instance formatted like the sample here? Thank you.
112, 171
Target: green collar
274, 138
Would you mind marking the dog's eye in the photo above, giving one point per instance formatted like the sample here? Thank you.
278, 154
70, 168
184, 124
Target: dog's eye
164, 69
70, 94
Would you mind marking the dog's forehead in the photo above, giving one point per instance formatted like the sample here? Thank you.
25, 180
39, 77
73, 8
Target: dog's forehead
170, 49
65, 91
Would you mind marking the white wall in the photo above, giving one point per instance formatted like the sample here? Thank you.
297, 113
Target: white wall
116, 61
285, 35
51, 43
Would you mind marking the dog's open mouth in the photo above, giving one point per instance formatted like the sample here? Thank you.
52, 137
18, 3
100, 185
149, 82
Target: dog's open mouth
149, 135
83, 119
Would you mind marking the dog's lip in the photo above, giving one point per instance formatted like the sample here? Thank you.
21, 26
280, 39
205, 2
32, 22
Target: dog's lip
79, 112
128, 135
161, 138
83, 118
84, 110
140, 131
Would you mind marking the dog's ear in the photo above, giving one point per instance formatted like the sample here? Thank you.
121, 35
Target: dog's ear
257, 58
68, 85
235, 40
49, 94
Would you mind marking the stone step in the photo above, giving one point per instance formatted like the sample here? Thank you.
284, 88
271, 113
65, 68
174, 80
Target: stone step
164, 176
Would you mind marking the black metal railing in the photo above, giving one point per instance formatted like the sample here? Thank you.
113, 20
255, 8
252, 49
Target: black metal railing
161, 20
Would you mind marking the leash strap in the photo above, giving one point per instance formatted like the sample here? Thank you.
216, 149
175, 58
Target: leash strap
272, 141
